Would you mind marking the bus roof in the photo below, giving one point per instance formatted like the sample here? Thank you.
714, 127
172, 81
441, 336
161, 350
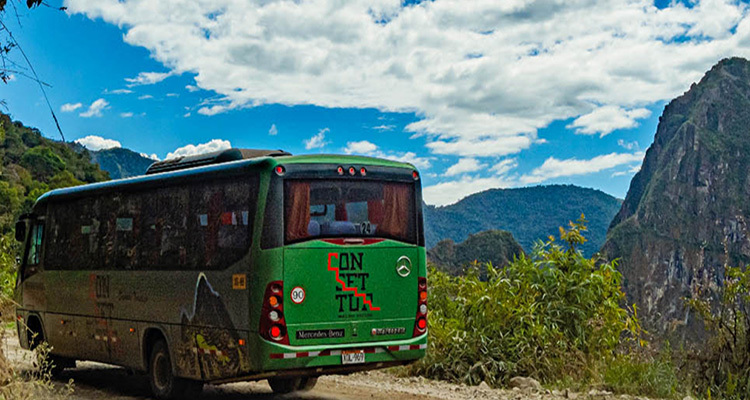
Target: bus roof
248, 164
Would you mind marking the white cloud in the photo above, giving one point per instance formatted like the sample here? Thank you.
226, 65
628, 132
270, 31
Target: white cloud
126, 114
96, 108
384, 128
192, 88
173, 95
93, 142
463, 166
318, 140
504, 166
445, 193
554, 168
151, 156
366, 148
145, 97
208, 147
148, 78
478, 73
273, 131
118, 91
606, 119
628, 145
70, 107
362, 147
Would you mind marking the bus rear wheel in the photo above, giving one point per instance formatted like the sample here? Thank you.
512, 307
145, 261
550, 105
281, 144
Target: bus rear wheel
284, 385
307, 383
164, 384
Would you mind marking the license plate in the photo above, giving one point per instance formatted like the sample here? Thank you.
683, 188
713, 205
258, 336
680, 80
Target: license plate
353, 357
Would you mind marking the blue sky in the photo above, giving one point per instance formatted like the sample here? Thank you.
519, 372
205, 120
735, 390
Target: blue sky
495, 95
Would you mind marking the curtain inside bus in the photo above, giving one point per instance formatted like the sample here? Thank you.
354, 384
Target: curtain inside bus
297, 210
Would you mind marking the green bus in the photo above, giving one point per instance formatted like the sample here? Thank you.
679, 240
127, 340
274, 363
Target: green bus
231, 266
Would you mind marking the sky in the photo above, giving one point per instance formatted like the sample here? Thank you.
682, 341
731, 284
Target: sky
477, 94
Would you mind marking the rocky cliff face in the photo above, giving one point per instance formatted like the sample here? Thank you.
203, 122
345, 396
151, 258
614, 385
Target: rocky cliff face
687, 211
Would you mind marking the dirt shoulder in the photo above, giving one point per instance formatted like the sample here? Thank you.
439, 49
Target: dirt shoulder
95, 381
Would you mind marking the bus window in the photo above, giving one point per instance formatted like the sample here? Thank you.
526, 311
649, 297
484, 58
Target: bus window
318, 209
35, 244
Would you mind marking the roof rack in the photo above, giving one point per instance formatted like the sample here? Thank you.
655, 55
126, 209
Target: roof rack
217, 157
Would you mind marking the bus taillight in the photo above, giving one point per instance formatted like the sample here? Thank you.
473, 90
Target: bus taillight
272, 322
420, 325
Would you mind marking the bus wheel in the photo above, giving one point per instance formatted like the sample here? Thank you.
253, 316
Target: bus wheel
308, 383
164, 384
284, 385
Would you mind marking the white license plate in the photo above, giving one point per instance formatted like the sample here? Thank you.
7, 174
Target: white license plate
353, 357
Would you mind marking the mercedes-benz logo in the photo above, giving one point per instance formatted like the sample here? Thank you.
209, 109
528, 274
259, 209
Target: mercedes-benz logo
403, 266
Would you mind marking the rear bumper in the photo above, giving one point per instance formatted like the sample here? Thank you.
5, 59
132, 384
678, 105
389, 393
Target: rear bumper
321, 360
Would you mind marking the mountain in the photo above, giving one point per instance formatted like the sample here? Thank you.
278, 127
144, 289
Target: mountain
687, 211
529, 214
120, 162
495, 246
31, 165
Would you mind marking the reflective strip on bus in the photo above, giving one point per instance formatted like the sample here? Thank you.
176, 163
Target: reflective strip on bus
368, 350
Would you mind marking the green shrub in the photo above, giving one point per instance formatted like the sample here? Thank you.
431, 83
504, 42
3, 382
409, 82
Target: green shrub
722, 368
551, 315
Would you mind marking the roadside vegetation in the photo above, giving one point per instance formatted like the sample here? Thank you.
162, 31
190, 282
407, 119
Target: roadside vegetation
562, 319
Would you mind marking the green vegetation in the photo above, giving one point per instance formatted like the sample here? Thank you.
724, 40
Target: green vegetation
493, 246
530, 214
552, 315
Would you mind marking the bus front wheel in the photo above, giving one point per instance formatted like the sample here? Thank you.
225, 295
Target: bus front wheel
164, 384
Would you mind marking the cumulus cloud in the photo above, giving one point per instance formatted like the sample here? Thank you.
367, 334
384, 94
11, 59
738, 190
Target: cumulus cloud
445, 193
93, 142
70, 107
463, 166
272, 130
126, 114
628, 145
384, 127
554, 168
151, 156
480, 74
606, 119
318, 141
145, 97
208, 147
148, 78
96, 108
366, 148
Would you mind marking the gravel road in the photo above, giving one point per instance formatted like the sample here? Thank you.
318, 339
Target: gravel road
95, 381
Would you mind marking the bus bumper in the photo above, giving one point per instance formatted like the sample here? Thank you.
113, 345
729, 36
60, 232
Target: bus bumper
322, 360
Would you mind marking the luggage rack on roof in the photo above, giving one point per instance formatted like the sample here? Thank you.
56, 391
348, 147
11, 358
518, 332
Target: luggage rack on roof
217, 157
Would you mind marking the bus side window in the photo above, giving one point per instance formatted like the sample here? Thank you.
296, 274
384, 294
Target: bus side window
35, 249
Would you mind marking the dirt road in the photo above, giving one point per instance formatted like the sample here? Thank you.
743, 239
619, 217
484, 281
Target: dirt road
95, 381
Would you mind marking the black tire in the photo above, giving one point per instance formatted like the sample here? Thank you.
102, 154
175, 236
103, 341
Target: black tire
164, 385
308, 383
284, 385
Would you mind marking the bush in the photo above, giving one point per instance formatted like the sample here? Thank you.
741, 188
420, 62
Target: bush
551, 315
722, 368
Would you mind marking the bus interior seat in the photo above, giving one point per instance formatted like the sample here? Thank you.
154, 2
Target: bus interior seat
313, 228
338, 228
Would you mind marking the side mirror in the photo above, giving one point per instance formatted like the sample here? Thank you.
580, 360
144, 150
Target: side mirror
21, 230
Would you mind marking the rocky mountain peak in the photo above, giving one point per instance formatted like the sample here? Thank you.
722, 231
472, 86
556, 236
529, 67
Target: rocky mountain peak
686, 212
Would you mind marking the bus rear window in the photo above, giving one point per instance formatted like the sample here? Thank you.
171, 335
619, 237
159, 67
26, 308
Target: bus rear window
334, 208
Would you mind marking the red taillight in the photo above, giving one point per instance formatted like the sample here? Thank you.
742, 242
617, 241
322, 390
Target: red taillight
340, 170
352, 171
272, 322
363, 171
415, 175
420, 325
280, 170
